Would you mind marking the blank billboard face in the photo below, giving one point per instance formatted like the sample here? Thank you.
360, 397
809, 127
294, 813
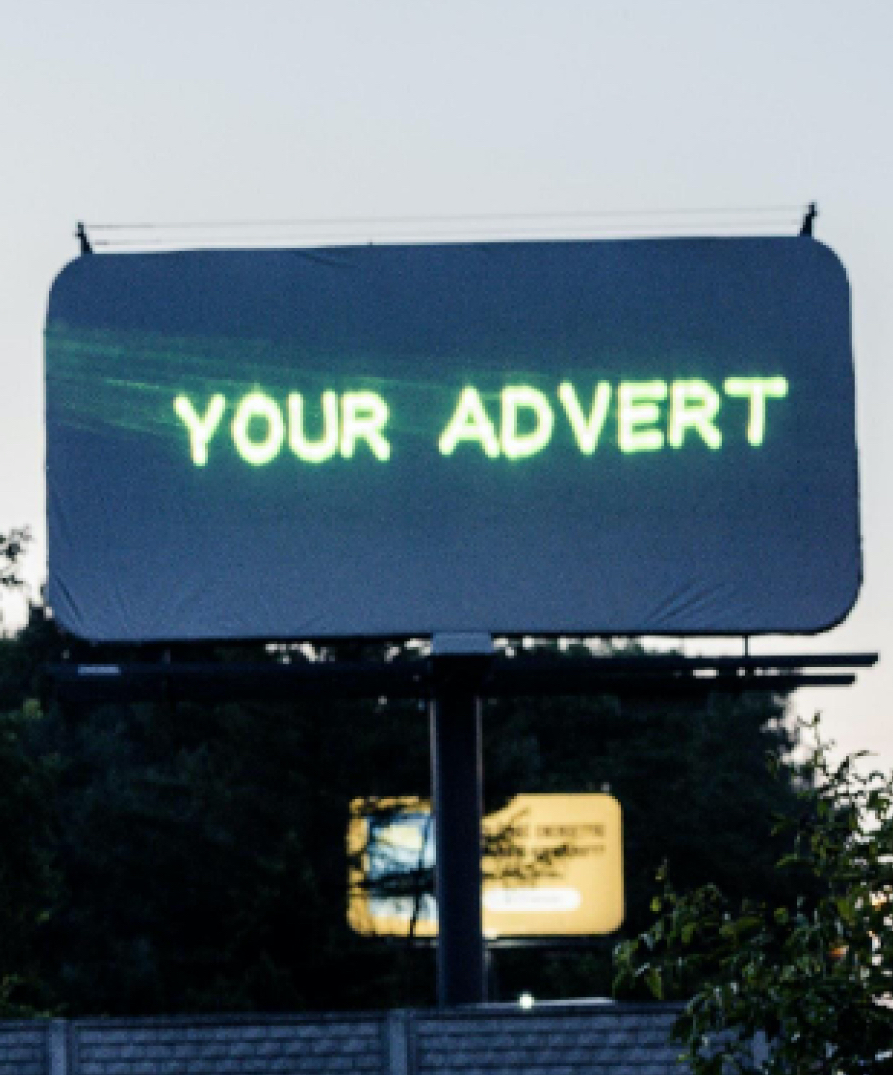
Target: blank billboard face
564, 437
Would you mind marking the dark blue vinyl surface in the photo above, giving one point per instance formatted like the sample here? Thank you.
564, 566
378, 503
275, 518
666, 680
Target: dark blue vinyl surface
633, 538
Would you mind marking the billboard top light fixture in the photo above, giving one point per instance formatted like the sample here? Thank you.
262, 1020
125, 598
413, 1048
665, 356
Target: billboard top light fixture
614, 437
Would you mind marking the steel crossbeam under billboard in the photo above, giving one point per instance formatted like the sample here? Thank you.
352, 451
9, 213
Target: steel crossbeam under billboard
648, 436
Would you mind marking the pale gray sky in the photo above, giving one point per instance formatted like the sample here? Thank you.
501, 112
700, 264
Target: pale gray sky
195, 110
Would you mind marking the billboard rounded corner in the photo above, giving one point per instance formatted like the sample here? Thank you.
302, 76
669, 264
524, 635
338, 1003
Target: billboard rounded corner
70, 269
612, 925
831, 258
849, 603
64, 617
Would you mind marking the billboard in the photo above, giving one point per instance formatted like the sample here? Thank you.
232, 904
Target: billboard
552, 866
642, 437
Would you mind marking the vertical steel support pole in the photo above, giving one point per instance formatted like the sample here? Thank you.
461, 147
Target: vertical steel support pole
457, 779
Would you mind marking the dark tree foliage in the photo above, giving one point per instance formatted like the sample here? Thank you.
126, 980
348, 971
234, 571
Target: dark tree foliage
175, 856
204, 855
691, 779
29, 881
807, 978
12, 548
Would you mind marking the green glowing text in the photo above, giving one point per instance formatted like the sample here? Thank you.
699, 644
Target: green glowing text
260, 426
516, 423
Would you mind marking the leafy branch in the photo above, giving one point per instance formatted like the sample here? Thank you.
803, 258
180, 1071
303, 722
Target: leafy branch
813, 977
12, 548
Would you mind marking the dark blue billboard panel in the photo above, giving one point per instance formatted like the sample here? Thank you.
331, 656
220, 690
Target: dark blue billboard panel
564, 437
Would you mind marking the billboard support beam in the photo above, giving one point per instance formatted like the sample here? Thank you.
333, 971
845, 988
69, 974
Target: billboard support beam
666, 674
459, 663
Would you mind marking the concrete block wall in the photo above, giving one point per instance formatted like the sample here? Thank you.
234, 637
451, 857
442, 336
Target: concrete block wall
615, 1039
571, 1040
25, 1048
319, 1045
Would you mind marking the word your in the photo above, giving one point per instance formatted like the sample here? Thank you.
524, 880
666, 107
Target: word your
259, 427
646, 416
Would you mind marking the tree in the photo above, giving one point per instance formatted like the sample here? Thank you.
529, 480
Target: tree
812, 974
12, 548
197, 849
28, 880
689, 774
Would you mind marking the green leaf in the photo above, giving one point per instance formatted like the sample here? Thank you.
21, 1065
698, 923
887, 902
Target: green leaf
654, 982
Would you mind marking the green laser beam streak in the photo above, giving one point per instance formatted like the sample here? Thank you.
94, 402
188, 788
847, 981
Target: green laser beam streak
182, 388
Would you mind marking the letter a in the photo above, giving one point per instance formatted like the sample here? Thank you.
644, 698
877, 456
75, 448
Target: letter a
470, 422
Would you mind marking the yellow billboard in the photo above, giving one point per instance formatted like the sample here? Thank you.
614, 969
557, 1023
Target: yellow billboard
552, 866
